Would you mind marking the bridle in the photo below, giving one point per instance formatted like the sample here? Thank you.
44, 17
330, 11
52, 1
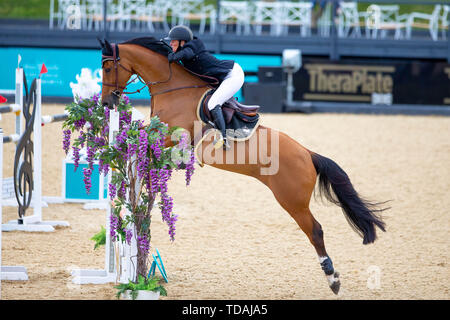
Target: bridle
116, 60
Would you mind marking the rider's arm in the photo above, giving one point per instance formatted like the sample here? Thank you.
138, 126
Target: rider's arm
184, 54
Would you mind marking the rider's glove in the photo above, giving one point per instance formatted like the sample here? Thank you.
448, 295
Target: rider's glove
172, 57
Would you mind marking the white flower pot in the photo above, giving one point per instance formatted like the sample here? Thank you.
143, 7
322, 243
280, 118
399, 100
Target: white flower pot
142, 295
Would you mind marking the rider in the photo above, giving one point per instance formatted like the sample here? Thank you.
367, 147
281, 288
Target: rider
192, 53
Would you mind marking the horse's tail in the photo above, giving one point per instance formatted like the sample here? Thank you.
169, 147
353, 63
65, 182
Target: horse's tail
360, 213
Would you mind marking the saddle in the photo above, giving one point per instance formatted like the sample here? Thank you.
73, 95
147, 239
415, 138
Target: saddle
240, 120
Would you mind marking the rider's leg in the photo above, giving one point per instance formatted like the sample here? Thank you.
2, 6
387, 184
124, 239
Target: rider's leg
229, 86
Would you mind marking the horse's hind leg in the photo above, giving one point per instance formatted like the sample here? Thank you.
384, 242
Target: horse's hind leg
292, 187
313, 231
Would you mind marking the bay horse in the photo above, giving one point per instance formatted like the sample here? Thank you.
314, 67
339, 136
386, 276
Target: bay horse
175, 95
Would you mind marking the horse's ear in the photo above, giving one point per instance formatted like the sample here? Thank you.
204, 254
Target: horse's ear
107, 45
107, 48
101, 43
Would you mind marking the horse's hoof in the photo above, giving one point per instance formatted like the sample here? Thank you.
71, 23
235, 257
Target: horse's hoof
336, 285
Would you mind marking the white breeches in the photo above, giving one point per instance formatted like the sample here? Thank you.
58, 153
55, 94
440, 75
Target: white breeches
229, 86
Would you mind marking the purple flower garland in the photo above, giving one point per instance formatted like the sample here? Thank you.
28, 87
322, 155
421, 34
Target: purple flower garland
132, 140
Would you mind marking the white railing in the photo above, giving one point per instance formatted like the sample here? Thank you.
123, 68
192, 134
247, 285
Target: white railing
378, 20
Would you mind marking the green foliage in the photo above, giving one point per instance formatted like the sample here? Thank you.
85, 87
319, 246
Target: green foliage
148, 284
99, 238
403, 8
28, 9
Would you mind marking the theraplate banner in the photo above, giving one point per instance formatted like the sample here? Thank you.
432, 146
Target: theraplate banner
365, 81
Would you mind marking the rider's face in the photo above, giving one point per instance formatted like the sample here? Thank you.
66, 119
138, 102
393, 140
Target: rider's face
176, 43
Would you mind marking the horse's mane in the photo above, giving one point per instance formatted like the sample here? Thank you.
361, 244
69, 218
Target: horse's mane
151, 43
159, 46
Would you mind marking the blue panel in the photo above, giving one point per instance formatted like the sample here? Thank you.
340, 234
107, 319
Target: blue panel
251, 79
250, 63
63, 66
75, 188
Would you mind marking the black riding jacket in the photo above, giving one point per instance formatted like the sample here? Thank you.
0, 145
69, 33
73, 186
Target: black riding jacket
197, 59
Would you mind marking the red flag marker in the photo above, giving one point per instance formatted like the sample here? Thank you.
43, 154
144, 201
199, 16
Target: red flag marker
3, 99
43, 69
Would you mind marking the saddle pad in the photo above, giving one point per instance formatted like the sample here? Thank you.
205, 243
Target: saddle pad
239, 128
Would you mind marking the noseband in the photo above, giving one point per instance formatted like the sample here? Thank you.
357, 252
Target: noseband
116, 59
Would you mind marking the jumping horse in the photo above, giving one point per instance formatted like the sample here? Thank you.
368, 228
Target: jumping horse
175, 95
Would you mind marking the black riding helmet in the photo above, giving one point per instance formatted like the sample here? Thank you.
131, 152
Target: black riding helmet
180, 33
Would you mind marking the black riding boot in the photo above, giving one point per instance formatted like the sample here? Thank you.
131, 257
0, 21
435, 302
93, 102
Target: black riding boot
219, 122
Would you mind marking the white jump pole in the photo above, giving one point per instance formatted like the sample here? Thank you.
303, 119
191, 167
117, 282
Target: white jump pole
109, 273
34, 223
118, 255
18, 99
17, 107
13, 272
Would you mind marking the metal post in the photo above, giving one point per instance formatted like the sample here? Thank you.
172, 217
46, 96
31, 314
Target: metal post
218, 34
50, 18
448, 39
105, 14
290, 88
334, 54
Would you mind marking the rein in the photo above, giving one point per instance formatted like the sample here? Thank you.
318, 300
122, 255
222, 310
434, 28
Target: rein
116, 59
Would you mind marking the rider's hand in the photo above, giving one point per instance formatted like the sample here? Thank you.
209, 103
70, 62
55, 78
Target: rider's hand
172, 57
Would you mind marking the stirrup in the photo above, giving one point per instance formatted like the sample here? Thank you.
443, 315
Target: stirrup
219, 124
221, 142
218, 143
226, 144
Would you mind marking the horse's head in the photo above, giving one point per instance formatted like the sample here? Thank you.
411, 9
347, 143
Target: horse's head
116, 74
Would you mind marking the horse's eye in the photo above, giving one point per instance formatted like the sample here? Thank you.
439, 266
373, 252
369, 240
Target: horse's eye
107, 69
